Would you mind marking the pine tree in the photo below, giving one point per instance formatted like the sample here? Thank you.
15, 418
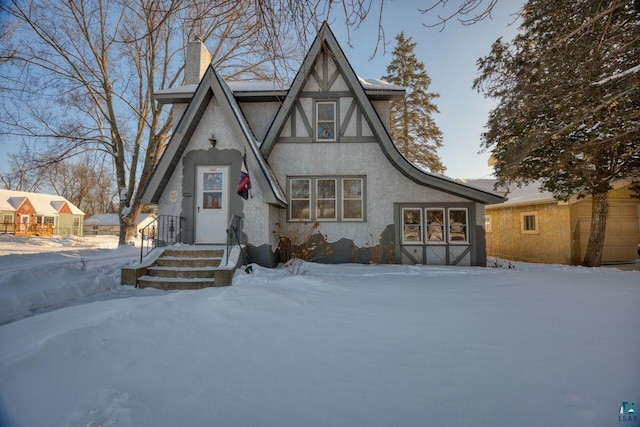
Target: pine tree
413, 129
569, 94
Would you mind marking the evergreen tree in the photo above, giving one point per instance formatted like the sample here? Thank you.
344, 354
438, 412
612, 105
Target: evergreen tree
413, 129
569, 92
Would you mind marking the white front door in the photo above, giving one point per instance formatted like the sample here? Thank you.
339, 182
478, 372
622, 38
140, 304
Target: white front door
212, 204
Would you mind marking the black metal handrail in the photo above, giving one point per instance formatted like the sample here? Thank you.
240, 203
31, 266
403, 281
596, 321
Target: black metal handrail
164, 230
233, 238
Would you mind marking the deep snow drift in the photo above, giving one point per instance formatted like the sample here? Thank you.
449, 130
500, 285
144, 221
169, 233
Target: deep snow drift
344, 345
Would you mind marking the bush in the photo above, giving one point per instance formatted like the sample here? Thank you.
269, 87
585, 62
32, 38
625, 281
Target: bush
301, 240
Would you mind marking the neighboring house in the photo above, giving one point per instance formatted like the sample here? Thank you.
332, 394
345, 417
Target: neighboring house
532, 226
25, 213
109, 224
318, 150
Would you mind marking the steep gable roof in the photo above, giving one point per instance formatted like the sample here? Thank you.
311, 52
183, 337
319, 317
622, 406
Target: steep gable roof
326, 40
212, 86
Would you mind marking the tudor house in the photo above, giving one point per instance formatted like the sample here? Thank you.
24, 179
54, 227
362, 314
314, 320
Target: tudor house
317, 150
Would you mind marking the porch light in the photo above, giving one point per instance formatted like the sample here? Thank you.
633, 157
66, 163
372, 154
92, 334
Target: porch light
212, 140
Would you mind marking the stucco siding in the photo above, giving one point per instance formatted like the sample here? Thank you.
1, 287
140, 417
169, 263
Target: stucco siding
385, 185
259, 116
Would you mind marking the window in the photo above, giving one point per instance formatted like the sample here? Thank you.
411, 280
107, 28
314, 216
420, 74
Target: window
332, 199
300, 204
352, 201
458, 225
45, 220
411, 225
7, 218
326, 121
529, 222
435, 225
326, 199
487, 223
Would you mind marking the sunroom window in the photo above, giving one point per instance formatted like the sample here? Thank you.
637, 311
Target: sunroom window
411, 225
326, 121
458, 226
435, 225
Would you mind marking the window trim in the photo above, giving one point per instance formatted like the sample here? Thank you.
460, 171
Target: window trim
316, 136
360, 199
421, 230
444, 227
523, 223
313, 199
291, 199
466, 227
335, 199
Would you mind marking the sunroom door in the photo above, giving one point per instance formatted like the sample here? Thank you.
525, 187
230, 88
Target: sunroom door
212, 204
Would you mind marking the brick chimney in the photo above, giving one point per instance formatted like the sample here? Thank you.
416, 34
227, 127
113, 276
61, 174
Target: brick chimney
197, 59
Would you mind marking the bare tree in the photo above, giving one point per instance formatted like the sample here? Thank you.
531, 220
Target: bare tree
83, 76
85, 181
20, 176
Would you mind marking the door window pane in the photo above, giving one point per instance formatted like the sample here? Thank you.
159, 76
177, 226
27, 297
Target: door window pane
412, 225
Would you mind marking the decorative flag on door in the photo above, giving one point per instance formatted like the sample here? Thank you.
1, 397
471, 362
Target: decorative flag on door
245, 182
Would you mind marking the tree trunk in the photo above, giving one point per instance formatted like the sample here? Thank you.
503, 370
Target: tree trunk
128, 225
599, 208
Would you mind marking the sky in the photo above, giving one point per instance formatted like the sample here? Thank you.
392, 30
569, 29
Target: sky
450, 59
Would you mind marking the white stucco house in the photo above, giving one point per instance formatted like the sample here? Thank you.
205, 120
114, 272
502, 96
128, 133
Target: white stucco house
317, 149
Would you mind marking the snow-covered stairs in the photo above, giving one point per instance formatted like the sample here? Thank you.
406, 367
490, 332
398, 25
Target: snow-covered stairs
185, 268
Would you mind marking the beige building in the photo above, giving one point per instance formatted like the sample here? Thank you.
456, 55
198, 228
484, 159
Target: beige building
532, 226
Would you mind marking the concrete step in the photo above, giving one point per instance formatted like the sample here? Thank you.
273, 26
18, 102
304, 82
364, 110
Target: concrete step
181, 272
194, 253
172, 261
170, 284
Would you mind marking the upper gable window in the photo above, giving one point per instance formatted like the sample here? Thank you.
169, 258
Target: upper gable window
325, 121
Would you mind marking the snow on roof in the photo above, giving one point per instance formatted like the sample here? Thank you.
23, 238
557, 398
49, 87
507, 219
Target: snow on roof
110, 219
529, 193
44, 204
377, 84
240, 87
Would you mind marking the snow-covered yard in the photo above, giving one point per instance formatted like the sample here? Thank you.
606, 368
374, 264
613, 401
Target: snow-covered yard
345, 345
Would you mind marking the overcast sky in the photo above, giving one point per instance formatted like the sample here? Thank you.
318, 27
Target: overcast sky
450, 60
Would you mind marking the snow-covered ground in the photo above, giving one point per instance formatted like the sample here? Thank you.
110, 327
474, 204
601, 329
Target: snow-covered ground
344, 345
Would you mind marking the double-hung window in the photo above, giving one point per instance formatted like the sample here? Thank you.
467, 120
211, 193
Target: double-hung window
300, 199
326, 199
325, 121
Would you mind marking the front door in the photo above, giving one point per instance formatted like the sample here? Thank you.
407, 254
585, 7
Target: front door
212, 204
